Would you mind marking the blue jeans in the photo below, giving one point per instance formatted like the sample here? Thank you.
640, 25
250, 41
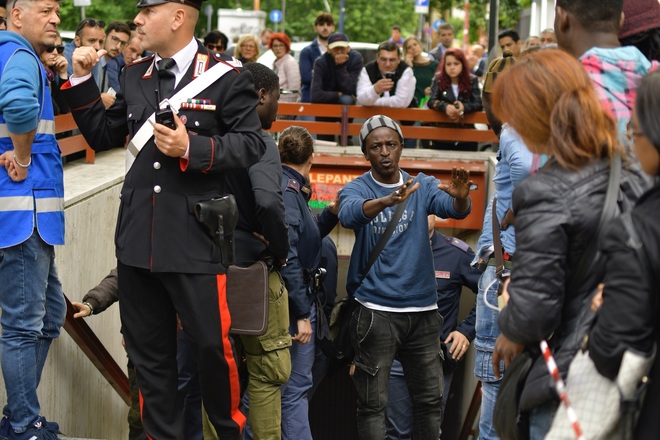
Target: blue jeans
540, 420
484, 343
295, 405
488, 395
33, 310
413, 338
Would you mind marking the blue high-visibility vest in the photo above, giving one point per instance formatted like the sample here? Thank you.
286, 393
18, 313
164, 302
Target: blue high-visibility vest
38, 201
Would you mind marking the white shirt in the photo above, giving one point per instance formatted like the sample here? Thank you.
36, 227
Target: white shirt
405, 91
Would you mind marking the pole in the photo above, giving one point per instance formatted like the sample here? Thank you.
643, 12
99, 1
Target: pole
420, 28
283, 14
342, 5
257, 5
492, 27
466, 27
82, 13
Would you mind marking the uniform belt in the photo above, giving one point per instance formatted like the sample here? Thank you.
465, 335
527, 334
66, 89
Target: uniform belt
507, 263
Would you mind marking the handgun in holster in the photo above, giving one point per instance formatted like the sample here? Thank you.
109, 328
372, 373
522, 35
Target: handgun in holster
316, 280
219, 217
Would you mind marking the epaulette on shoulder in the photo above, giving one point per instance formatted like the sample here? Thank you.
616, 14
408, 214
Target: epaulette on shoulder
460, 244
142, 60
293, 184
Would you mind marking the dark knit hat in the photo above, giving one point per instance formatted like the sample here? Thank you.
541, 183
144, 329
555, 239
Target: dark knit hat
640, 16
496, 67
375, 122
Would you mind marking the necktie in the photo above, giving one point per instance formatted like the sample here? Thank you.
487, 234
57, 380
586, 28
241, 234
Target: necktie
166, 77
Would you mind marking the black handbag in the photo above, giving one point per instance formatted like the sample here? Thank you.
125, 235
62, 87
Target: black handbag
509, 422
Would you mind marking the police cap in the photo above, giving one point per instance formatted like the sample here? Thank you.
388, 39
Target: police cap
197, 4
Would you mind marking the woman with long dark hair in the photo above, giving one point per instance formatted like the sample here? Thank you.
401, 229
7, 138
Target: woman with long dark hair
455, 92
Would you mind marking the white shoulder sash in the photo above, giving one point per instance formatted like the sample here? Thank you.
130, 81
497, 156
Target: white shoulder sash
195, 87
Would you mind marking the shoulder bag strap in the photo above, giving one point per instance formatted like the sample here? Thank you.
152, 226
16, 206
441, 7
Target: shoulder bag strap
375, 252
608, 212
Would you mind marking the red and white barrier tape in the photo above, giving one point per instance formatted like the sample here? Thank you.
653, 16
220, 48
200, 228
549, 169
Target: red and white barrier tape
561, 389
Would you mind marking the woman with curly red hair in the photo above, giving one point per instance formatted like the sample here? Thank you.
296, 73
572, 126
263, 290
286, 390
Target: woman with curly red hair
455, 92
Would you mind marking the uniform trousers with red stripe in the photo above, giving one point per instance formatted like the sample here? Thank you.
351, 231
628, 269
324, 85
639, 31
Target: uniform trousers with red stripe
149, 303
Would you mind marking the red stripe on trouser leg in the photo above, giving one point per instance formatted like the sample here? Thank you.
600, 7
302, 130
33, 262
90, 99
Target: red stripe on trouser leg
142, 405
225, 321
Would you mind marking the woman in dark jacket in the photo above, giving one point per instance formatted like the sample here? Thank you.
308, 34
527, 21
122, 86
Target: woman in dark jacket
557, 210
296, 147
629, 316
455, 92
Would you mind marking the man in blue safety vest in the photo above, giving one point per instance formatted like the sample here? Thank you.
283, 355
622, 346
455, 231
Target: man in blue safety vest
31, 215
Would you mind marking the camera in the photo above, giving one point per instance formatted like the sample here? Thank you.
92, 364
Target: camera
165, 116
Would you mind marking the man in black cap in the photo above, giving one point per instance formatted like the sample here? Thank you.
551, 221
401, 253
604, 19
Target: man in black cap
167, 264
335, 75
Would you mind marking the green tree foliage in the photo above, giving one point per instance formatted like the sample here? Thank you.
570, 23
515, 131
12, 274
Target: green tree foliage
364, 20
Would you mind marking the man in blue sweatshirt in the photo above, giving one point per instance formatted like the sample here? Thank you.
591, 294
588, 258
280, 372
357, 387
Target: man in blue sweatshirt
397, 302
31, 215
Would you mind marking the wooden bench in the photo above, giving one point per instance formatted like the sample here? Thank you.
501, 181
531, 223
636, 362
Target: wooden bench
346, 125
70, 139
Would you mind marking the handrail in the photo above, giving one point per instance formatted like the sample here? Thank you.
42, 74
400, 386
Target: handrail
69, 138
344, 126
90, 344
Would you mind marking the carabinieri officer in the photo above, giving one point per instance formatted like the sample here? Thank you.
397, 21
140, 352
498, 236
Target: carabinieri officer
167, 264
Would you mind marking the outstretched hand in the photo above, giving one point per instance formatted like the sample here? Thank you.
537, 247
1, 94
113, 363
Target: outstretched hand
402, 193
459, 185
333, 206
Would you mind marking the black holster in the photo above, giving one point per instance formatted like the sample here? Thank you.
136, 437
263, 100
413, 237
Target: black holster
219, 217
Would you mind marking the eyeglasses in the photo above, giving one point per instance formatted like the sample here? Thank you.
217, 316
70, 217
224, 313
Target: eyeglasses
216, 47
116, 40
3, 21
60, 49
631, 132
248, 46
278, 46
91, 23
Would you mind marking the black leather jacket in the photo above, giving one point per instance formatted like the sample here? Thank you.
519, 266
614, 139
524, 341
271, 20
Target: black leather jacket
557, 215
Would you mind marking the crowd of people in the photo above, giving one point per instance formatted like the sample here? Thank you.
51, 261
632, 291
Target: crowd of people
551, 263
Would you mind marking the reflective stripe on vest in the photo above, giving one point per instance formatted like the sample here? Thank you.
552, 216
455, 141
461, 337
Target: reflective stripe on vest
17, 203
50, 204
43, 127
41, 196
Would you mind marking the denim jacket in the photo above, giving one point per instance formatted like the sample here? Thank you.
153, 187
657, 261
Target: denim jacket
514, 165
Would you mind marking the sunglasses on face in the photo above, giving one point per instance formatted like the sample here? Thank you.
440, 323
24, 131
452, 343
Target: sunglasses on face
216, 47
60, 49
3, 21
